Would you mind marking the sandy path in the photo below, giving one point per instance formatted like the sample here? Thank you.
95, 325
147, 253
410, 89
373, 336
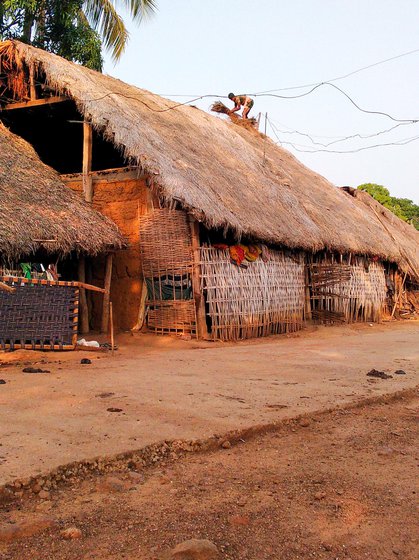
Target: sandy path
174, 389
340, 488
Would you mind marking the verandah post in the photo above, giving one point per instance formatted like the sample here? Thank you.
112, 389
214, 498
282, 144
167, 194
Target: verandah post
106, 295
87, 162
307, 301
201, 323
84, 319
88, 197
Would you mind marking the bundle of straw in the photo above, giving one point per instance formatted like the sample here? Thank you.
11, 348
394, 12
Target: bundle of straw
219, 107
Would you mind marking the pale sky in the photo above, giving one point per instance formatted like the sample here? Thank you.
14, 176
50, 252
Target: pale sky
201, 47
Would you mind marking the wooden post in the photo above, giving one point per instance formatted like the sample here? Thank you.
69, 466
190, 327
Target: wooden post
87, 162
32, 88
201, 323
111, 325
151, 201
106, 295
399, 295
264, 140
141, 310
307, 306
84, 310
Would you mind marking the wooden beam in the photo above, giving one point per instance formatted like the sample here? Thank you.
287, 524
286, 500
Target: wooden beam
201, 322
87, 162
90, 287
84, 310
35, 103
106, 296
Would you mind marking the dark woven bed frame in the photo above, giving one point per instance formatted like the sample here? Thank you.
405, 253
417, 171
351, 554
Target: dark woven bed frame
39, 314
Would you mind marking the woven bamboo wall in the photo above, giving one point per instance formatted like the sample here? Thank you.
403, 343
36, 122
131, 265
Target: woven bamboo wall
167, 263
348, 292
266, 298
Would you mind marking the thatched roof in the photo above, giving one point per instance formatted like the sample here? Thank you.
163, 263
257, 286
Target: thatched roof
403, 235
37, 211
225, 175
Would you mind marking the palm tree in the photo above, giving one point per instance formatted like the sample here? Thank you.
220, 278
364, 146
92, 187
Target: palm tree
103, 17
75, 29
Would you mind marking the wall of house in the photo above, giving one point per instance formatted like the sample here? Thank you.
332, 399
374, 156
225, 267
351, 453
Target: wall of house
123, 197
267, 297
350, 289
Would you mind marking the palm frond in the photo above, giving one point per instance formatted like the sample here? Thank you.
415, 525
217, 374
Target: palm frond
138, 9
104, 18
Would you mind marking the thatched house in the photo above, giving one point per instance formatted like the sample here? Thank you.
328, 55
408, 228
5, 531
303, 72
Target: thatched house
177, 181
43, 221
39, 214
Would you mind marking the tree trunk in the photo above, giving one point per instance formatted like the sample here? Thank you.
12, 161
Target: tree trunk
27, 26
40, 27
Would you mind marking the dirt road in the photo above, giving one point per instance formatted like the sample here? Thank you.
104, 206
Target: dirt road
342, 487
158, 388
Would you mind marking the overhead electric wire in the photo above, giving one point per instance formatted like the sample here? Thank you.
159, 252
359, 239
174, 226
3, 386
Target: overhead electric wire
344, 75
253, 95
135, 98
310, 151
337, 139
270, 93
335, 79
342, 92
400, 143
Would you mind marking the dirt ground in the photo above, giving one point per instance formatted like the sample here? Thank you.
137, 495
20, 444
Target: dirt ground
341, 486
161, 388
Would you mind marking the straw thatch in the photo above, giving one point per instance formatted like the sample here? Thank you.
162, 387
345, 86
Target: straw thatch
225, 175
37, 211
403, 235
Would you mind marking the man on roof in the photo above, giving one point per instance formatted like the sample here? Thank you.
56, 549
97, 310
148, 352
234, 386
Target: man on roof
241, 101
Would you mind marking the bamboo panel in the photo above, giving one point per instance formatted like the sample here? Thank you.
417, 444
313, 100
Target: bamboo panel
165, 241
167, 264
266, 298
348, 292
172, 317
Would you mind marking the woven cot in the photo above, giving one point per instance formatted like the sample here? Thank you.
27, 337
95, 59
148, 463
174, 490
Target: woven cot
38, 315
266, 298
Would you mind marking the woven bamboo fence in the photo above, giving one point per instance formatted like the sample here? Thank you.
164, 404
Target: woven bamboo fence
266, 298
348, 292
167, 263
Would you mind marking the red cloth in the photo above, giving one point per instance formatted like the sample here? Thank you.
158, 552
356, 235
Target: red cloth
237, 254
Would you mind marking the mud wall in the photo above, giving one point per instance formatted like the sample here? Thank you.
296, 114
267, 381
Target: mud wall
122, 197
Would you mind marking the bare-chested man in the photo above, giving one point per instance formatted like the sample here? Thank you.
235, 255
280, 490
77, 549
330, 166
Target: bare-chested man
241, 101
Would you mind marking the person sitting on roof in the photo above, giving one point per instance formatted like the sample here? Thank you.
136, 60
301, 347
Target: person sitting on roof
239, 101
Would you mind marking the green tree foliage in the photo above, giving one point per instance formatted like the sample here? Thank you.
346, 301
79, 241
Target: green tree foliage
404, 208
74, 29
